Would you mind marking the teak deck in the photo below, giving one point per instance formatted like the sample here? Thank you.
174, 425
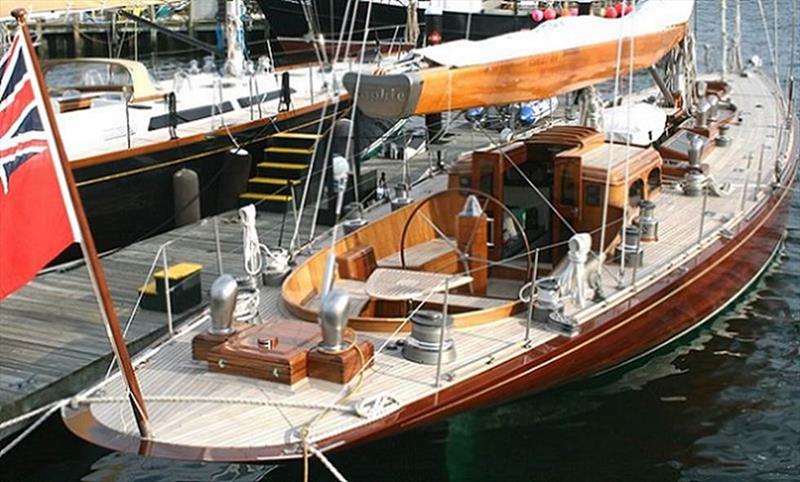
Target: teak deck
676, 282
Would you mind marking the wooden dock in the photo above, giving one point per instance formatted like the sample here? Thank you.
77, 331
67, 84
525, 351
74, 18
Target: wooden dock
52, 340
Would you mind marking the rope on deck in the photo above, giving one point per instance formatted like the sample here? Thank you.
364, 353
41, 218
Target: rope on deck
223, 400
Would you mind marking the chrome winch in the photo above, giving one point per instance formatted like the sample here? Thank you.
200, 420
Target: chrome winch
422, 345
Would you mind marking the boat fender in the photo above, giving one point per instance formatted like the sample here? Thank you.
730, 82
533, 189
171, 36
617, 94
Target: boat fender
505, 135
186, 197
526, 115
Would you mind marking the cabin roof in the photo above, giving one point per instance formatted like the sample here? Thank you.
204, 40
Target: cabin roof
595, 161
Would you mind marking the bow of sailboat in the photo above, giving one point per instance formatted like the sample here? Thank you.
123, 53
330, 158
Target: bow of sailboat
562, 56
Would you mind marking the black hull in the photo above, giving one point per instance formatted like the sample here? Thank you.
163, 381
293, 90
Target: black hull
131, 198
454, 25
287, 19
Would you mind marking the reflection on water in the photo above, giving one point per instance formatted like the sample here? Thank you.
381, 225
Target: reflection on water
119, 467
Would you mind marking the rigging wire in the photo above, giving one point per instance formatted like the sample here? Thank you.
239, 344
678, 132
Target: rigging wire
601, 246
626, 191
769, 41
793, 58
348, 144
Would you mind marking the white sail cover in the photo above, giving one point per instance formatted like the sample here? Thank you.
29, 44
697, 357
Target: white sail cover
561, 34
640, 124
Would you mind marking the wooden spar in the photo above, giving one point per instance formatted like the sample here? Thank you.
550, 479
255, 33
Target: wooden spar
443, 88
96, 273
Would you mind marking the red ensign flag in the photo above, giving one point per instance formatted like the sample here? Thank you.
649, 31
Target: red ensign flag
37, 219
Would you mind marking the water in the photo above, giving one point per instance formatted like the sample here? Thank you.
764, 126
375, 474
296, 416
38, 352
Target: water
722, 404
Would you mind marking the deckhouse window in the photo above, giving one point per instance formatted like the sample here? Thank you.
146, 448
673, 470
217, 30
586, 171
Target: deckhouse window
568, 186
79, 75
654, 179
636, 193
594, 194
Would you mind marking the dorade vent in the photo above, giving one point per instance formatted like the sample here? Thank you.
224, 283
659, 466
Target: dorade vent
701, 114
695, 152
333, 321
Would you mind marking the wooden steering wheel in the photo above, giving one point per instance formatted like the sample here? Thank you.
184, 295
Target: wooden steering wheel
487, 199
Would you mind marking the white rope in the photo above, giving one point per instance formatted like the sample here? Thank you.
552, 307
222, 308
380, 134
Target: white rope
47, 409
601, 246
626, 201
327, 463
348, 143
769, 40
25, 416
253, 249
221, 400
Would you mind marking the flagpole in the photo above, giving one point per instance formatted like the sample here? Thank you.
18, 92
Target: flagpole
96, 273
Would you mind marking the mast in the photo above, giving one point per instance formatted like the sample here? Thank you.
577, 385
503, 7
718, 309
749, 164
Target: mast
96, 274
724, 34
738, 62
234, 37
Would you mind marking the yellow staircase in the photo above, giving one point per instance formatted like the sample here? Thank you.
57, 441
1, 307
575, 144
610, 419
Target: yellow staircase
278, 177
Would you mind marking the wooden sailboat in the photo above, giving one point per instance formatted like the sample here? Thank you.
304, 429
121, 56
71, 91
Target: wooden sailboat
525, 266
521, 66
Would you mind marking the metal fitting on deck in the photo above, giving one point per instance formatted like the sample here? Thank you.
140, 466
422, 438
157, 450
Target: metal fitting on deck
223, 303
647, 220
333, 320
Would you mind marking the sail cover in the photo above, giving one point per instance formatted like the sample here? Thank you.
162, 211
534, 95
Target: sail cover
561, 34
39, 7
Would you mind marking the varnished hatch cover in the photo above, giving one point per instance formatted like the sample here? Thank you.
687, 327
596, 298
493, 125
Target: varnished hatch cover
283, 361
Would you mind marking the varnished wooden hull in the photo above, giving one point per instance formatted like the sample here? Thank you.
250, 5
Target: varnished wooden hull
669, 307
442, 89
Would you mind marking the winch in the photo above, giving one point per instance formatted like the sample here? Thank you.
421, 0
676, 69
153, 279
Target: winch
422, 346
631, 247
548, 299
647, 221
